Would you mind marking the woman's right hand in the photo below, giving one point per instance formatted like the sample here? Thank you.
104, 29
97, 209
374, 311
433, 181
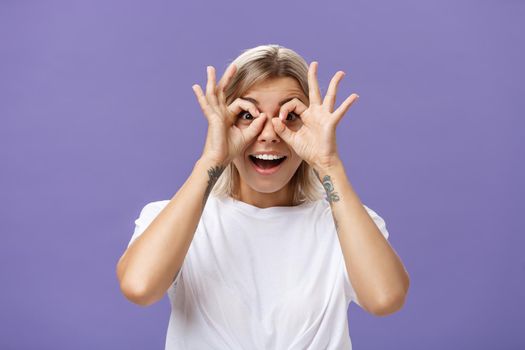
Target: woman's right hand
224, 140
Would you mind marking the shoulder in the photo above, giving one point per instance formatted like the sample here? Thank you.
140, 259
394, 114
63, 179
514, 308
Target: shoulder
151, 210
378, 220
153, 206
147, 214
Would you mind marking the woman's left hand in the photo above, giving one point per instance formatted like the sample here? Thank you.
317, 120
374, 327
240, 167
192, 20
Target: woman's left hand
314, 141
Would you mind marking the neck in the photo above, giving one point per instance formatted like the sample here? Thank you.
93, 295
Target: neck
281, 198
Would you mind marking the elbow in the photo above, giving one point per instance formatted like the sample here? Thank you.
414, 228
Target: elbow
391, 302
137, 293
388, 306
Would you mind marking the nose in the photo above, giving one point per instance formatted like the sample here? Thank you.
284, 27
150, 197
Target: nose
268, 133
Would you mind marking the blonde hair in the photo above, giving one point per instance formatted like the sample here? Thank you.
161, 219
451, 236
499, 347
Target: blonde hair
253, 66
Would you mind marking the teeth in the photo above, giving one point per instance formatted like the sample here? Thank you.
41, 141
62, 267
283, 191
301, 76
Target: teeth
267, 156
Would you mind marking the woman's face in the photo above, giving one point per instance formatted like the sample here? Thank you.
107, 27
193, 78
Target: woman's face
270, 175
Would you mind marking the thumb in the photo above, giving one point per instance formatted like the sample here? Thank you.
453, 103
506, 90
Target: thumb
282, 130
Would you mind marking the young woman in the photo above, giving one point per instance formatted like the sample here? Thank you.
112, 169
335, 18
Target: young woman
267, 242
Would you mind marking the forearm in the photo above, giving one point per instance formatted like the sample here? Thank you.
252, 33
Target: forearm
151, 262
375, 270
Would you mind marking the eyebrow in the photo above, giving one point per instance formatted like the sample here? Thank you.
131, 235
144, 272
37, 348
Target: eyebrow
280, 103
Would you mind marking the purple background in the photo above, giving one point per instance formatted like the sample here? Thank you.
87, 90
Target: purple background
98, 118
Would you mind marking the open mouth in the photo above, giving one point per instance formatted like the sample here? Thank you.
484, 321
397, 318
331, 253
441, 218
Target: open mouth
267, 164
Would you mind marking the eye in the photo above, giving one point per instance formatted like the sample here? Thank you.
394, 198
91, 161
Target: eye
294, 117
244, 113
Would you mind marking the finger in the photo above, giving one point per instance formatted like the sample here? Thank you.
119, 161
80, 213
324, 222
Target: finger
228, 74
225, 80
201, 99
314, 94
341, 111
330, 97
210, 86
295, 105
239, 105
282, 130
255, 128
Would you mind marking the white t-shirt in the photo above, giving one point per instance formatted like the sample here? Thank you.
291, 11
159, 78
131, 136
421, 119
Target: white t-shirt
253, 278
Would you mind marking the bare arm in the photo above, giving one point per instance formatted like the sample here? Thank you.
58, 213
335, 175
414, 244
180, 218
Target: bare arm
147, 268
377, 274
379, 278
149, 265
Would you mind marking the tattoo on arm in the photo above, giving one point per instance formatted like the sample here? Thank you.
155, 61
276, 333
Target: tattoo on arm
213, 175
331, 195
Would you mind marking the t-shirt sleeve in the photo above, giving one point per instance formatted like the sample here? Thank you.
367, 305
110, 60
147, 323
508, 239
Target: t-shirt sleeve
148, 213
380, 222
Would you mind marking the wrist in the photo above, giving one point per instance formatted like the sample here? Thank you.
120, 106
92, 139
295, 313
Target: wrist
326, 164
212, 161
